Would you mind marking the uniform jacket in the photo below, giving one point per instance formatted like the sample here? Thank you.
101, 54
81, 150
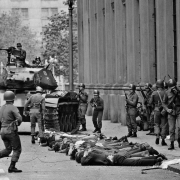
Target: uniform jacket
157, 98
8, 114
36, 101
99, 102
83, 97
132, 100
22, 56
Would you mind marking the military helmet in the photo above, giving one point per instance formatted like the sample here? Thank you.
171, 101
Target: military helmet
159, 83
82, 85
148, 86
154, 87
171, 83
133, 87
96, 92
19, 45
39, 89
9, 96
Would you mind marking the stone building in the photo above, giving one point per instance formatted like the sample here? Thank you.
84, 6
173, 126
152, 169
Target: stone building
126, 41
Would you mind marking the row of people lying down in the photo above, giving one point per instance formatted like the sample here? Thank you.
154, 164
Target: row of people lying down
108, 152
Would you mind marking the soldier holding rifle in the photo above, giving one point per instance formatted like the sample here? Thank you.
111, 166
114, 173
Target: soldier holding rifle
98, 104
131, 104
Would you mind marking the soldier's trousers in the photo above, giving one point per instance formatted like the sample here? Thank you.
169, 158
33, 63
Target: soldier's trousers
11, 142
172, 126
97, 119
131, 120
33, 118
151, 120
81, 115
161, 123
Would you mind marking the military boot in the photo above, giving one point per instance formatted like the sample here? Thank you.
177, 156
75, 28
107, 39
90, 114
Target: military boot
83, 128
33, 140
163, 143
99, 130
12, 168
157, 140
96, 129
129, 134
171, 147
179, 142
74, 131
134, 134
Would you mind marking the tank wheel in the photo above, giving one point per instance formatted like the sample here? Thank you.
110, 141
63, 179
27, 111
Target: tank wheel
66, 123
74, 120
70, 123
61, 123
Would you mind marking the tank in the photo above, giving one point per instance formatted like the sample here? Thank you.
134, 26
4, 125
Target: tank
61, 111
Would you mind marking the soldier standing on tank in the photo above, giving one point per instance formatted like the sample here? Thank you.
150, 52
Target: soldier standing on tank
172, 106
10, 118
160, 119
36, 103
21, 58
98, 104
82, 97
131, 106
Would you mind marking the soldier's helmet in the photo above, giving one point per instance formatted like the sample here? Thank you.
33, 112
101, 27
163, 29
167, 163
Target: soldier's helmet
159, 83
19, 45
133, 87
9, 96
148, 86
154, 87
39, 89
171, 83
82, 85
96, 92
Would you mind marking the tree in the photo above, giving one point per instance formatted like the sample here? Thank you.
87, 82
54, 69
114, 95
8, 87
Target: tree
56, 43
12, 31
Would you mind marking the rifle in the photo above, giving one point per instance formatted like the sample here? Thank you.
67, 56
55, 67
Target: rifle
142, 92
126, 99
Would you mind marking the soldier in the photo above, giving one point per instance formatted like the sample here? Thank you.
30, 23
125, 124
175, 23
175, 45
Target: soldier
21, 58
131, 104
172, 106
82, 97
149, 108
10, 118
98, 104
160, 119
37, 112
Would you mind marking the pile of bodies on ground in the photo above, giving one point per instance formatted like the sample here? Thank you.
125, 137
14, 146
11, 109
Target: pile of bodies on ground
97, 149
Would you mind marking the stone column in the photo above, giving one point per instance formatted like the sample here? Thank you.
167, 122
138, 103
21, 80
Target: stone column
80, 40
87, 72
133, 41
120, 44
101, 54
164, 29
110, 43
93, 40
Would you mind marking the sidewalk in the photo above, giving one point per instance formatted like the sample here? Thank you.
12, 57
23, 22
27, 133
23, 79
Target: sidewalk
116, 129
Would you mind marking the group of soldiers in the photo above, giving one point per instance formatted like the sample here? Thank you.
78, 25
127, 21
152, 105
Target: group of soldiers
162, 110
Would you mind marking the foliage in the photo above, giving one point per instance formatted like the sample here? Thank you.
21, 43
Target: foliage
56, 43
13, 31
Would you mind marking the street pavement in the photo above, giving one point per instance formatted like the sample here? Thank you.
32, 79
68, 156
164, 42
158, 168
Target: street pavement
39, 163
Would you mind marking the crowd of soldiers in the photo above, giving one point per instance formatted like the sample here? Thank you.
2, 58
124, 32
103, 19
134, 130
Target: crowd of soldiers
162, 110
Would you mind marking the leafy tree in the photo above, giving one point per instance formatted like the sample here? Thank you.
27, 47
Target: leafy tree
13, 31
56, 43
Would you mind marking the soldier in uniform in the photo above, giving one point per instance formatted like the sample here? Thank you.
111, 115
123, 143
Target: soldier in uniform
98, 104
160, 119
36, 103
21, 58
131, 104
82, 97
149, 108
172, 106
10, 118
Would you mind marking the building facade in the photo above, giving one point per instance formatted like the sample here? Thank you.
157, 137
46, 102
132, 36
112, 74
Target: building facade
127, 41
34, 13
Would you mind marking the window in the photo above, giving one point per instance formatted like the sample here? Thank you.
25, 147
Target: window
23, 11
47, 12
